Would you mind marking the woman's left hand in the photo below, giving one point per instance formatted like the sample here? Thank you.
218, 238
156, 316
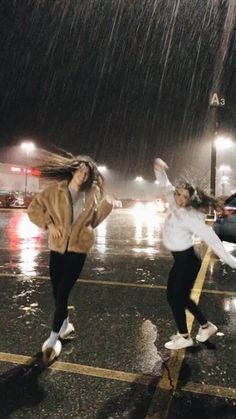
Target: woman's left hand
54, 231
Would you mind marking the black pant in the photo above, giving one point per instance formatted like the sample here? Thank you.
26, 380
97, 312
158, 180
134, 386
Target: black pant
64, 271
180, 282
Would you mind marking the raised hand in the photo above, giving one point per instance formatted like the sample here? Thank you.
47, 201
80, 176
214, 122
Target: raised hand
160, 165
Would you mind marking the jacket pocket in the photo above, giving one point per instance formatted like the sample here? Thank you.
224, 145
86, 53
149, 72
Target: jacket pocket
58, 243
86, 238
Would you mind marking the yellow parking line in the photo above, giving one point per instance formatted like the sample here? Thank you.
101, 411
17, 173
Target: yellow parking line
82, 369
108, 283
89, 281
72, 368
122, 284
210, 390
217, 292
44, 248
67, 367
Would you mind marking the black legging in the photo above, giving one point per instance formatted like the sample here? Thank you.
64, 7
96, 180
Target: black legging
64, 271
180, 282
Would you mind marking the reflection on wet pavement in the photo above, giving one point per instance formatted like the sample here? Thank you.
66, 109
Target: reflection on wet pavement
25, 239
128, 233
149, 359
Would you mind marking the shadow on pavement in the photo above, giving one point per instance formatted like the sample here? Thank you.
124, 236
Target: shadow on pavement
186, 373
201, 406
19, 387
132, 404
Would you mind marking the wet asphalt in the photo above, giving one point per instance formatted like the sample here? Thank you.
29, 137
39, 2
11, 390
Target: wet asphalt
116, 365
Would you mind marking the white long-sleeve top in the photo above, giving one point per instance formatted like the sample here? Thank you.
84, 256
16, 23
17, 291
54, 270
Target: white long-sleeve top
183, 223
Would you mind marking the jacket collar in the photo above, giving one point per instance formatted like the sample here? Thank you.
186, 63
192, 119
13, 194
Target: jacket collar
63, 185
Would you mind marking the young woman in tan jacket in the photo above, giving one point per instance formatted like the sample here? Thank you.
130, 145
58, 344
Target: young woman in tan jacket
70, 210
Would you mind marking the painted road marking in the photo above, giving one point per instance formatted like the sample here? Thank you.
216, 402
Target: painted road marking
196, 290
73, 368
210, 390
108, 283
67, 367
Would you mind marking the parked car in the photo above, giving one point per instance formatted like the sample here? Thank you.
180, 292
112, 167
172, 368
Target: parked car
6, 200
17, 203
225, 224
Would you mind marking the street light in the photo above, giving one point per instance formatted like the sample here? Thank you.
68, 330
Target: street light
225, 168
139, 179
102, 169
223, 143
27, 147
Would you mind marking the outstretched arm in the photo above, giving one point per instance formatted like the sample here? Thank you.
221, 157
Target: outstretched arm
198, 227
160, 168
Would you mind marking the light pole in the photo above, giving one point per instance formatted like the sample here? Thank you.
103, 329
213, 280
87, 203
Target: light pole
215, 102
27, 147
223, 143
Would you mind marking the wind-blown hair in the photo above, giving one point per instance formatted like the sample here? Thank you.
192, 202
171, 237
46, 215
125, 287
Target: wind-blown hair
199, 199
58, 167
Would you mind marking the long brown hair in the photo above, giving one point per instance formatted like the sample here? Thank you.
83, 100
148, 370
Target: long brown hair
199, 199
62, 167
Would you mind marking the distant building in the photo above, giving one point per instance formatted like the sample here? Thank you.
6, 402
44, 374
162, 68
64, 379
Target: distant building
13, 179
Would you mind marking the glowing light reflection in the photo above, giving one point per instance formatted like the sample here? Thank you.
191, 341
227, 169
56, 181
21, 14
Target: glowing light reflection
27, 261
102, 236
25, 237
146, 250
26, 229
147, 227
148, 356
229, 304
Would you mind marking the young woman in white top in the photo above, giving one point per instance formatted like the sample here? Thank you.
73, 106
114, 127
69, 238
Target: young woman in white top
185, 218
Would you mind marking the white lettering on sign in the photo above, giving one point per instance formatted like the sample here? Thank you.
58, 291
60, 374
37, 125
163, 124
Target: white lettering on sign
222, 101
216, 101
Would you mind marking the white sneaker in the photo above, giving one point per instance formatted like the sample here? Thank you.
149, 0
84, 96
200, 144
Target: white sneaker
206, 333
179, 342
173, 337
65, 333
51, 352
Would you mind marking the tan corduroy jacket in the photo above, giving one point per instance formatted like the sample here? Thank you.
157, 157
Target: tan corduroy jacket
54, 205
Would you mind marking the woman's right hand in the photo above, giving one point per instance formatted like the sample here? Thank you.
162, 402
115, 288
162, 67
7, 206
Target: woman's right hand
54, 231
160, 165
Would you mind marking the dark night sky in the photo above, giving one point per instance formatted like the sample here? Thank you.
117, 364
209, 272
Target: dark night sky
120, 80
